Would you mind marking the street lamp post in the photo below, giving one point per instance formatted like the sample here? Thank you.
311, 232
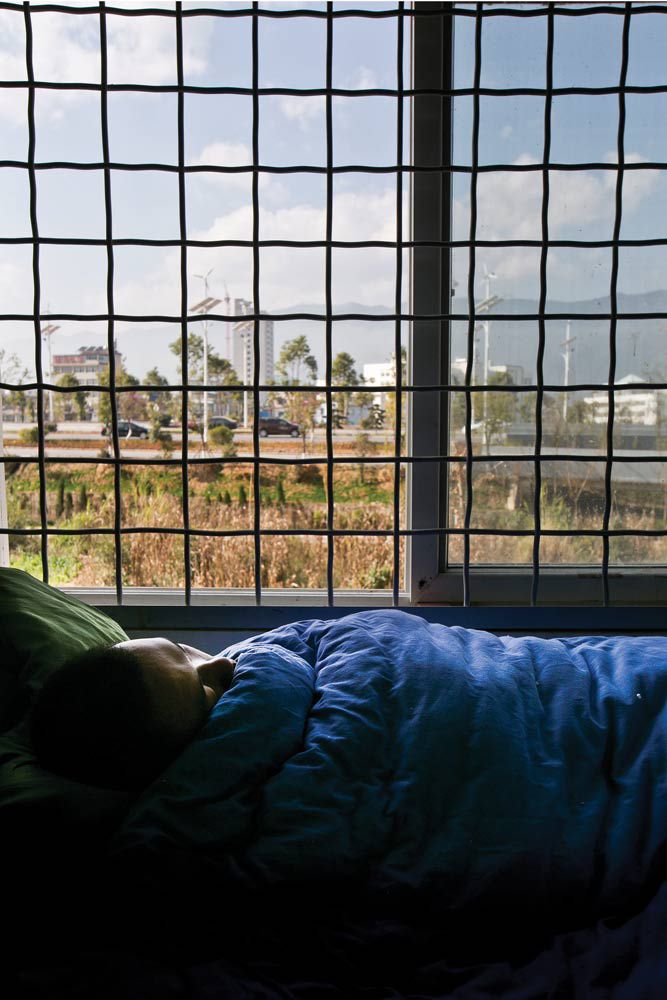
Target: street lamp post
204, 307
487, 280
488, 302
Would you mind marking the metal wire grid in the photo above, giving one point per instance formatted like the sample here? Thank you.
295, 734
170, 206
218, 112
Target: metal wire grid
479, 13
111, 317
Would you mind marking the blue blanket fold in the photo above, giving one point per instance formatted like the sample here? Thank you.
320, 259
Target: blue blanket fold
406, 755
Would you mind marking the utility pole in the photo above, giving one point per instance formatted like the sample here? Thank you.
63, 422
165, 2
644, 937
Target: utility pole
204, 307
487, 280
227, 302
47, 332
567, 344
488, 302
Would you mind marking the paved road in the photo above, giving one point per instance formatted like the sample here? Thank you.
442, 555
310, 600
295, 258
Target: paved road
76, 430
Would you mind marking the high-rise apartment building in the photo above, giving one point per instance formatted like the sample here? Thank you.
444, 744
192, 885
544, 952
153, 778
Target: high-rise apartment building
242, 354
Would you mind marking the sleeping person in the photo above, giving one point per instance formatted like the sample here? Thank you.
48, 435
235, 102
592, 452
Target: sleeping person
116, 716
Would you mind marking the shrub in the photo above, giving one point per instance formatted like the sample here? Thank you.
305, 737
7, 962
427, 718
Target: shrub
223, 438
29, 435
82, 502
243, 496
311, 475
166, 443
159, 436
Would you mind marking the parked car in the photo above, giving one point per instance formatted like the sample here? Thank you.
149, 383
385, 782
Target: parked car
223, 422
127, 429
195, 425
277, 425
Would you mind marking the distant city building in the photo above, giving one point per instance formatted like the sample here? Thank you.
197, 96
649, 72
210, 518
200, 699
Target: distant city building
355, 413
87, 365
638, 407
241, 348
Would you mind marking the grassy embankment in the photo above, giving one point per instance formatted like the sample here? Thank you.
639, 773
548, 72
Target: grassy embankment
221, 498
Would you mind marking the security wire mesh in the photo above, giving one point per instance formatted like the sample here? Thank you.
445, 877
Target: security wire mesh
184, 319
481, 14
404, 16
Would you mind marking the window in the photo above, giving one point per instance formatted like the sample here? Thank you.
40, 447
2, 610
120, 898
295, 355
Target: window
547, 169
281, 322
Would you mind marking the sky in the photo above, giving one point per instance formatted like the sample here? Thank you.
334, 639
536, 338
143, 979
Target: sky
143, 127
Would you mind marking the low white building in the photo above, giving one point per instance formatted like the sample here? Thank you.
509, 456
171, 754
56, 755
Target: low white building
87, 365
379, 374
633, 406
515, 372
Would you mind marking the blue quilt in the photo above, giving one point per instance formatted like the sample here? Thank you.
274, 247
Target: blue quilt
380, 748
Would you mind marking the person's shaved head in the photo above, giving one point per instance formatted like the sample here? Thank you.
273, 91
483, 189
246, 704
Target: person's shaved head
115, 716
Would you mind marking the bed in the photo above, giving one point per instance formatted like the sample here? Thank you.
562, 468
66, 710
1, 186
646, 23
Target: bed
377, 807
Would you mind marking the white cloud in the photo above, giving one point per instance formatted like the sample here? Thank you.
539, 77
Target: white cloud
225, 154
143, 50
510, 207
14, 108
363, 79
302, 110
510, 203
66, 48
288, 277
228, 154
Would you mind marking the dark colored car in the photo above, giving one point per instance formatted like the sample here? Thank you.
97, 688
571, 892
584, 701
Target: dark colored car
223, 422
195, 425
126, 429
278, 425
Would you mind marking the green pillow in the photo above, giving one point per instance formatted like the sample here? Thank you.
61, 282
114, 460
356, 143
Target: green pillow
40, 628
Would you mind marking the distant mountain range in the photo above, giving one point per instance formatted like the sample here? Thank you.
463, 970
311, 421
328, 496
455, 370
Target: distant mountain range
641, 343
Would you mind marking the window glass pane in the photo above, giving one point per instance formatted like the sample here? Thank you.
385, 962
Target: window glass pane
579, 288
224, 203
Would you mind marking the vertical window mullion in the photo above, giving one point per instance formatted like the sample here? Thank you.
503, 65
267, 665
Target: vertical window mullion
37, 305
329, 307
256, 305
398, 304
472, 318
182, 215
613, 301
430, 222
111, 342
539, 397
